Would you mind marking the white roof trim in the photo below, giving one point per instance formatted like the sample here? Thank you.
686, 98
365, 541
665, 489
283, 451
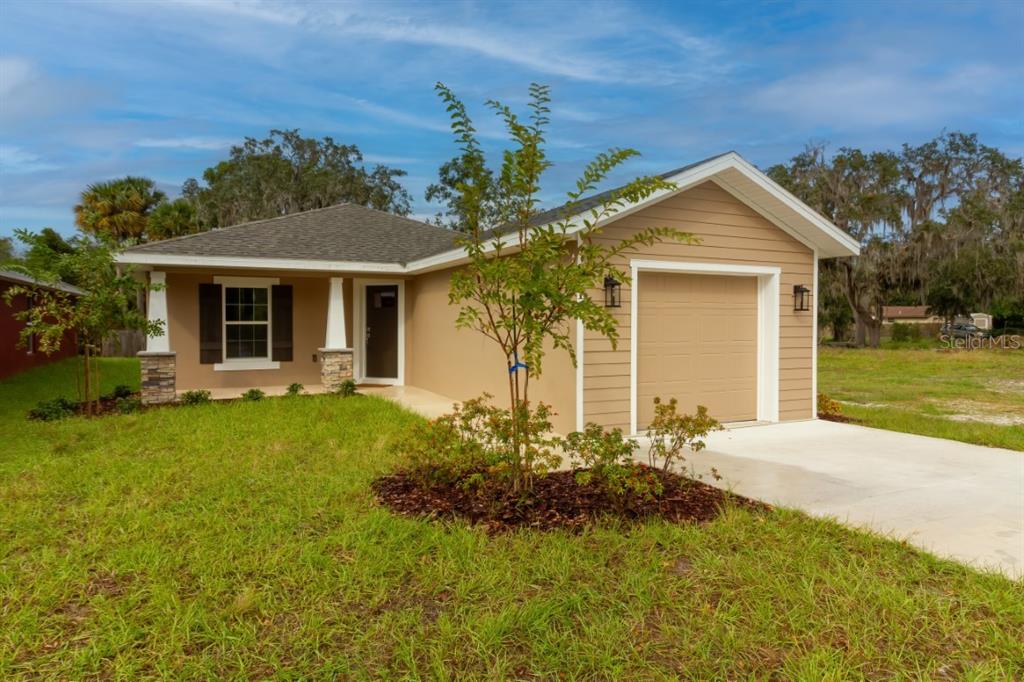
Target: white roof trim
250, 263
810, 228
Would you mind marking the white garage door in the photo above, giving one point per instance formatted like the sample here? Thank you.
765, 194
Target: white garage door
697, 342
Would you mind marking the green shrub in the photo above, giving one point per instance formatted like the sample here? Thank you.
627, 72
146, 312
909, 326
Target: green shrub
128, 405
253, 394
903, 332
473, 444
196, 397
52, 410
120, 391
670, 433
347, 388
295, 389
607, 461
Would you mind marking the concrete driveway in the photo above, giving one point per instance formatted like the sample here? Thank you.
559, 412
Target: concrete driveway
961, 501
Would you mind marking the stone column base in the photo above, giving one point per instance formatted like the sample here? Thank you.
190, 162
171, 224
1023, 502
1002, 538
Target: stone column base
335, 367
158, 377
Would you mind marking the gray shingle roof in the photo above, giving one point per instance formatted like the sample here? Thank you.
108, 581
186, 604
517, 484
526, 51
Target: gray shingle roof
346, 232
19, 278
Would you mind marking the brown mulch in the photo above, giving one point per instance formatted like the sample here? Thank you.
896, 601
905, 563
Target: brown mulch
557, 501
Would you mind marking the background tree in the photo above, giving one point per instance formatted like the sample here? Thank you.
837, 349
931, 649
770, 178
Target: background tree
118, 210
526, 287
106, 306
6, 250
939, 224
172, 219
452, 175
287, 173
45, 255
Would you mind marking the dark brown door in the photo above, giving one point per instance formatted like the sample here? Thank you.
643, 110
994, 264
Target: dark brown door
382, 331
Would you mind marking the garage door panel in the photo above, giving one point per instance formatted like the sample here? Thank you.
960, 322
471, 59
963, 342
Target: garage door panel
697, 342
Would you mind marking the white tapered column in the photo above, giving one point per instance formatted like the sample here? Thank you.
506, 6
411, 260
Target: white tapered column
335, 356
336, 338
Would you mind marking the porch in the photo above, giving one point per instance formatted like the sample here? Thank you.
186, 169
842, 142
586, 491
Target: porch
229, 332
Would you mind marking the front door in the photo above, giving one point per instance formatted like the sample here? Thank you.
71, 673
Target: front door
382, 331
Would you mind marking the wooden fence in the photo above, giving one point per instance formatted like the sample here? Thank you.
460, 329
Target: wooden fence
125, 344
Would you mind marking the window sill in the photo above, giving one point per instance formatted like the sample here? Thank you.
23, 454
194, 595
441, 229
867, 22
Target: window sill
241, 365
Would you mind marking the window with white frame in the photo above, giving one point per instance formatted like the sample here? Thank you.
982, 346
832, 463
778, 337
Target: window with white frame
246, 323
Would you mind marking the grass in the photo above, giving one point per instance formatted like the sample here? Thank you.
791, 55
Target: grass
240, 541
975, 397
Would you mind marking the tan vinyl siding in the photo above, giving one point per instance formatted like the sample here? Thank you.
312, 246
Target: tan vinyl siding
733, 233
462, 363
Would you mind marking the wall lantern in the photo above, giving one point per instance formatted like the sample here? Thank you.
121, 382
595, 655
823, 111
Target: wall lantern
612, 293
801, 297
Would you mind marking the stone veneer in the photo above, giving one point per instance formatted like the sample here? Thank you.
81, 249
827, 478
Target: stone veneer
335, 367
158, 377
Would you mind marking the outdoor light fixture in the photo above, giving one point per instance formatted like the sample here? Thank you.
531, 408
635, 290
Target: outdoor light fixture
612, 293
801, 297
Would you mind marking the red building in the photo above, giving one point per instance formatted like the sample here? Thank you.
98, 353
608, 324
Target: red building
15, 357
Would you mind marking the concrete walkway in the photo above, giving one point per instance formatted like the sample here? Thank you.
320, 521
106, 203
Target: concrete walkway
961, 501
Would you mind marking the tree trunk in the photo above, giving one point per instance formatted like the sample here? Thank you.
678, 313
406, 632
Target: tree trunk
860, 331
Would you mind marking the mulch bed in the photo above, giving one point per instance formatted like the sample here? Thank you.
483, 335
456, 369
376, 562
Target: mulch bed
557, 501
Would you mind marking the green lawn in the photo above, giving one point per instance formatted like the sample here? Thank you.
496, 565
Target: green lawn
240, 540
976, 396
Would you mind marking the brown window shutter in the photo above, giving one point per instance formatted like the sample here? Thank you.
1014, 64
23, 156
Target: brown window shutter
211, 324
281, 322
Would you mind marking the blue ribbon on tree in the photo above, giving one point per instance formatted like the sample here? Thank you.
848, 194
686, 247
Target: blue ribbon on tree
516, 365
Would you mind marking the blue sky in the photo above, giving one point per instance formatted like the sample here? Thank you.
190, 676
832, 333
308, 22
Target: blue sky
96, 90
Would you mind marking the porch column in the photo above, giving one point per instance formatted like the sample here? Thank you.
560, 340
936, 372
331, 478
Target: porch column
335, 356
158, 362
336, 337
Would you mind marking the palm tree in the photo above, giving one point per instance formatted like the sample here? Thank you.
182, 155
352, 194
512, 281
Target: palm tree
118, 209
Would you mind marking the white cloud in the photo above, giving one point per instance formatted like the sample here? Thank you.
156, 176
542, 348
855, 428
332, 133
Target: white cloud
14, 72
879, 94
206, 143
16, 160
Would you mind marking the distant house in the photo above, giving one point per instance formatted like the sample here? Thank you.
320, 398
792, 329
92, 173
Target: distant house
14, 356
909, 314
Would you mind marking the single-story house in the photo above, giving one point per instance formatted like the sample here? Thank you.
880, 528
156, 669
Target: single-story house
346, 291
909, 314
16, 356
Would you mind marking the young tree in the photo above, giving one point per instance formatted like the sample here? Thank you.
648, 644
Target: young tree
106, 306
118, 210
529, 281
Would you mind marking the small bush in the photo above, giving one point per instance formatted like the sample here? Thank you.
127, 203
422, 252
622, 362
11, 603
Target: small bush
128, 405
120, 391
253, 394
827, 407
52, 410
671, 432
903, 332
196, 397
347, 388
607, 458
295, 389
473, 444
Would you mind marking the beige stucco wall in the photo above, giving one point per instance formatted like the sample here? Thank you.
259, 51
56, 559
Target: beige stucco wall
731, 233
462, 363
309, 320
